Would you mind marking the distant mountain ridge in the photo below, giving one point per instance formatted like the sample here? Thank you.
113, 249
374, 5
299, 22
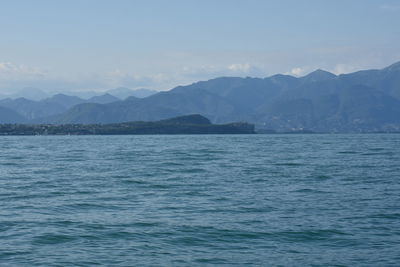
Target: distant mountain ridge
10, 116
123, 93
57, 104
120, 93
363, 101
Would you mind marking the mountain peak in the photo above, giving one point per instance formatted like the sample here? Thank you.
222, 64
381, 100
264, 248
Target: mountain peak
319, 75
103, 99
63, 97
123, 92
59, 95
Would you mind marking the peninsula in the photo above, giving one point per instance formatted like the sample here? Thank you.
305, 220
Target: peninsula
190, 124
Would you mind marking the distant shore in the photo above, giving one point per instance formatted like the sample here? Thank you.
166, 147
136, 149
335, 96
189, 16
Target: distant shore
191, 124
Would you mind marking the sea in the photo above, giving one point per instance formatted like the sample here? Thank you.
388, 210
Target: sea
200, 200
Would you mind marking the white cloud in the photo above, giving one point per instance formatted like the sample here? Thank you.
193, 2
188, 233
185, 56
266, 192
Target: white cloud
343, 68
212, 71
117, 78
14, 77
10, 71
245, 68
297, 71
166, 72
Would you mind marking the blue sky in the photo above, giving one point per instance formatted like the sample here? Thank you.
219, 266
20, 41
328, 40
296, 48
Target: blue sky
98, 44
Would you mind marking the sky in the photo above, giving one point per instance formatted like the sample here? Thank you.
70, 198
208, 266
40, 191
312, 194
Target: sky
82, 45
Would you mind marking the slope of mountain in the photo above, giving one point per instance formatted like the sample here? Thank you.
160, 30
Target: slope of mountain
27, 93
30, 109
323, 107
10, 116
33, 110
143, 92
66, 101
103, 99
159, 106
317, 76
57, 104
386, 80
123, 93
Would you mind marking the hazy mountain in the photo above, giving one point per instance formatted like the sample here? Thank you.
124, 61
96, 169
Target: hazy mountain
320, 101
10, 116
57, 104
65, 100
84, 94
27, 93
386, 80
325, 107
30, 109
159, 106
317, 75
103, 99
143, 92
120, 93
123, 93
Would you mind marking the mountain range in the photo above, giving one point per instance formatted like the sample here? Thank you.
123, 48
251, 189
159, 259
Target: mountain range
121, 93
363, 101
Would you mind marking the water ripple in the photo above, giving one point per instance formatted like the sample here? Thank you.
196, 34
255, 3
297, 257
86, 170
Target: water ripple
262, 200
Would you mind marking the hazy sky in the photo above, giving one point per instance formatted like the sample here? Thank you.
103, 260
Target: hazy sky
94, 44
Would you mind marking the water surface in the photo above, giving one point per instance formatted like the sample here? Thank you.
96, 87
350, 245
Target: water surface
270, 200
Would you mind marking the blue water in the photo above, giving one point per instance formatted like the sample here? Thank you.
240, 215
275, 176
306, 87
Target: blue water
263, 200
